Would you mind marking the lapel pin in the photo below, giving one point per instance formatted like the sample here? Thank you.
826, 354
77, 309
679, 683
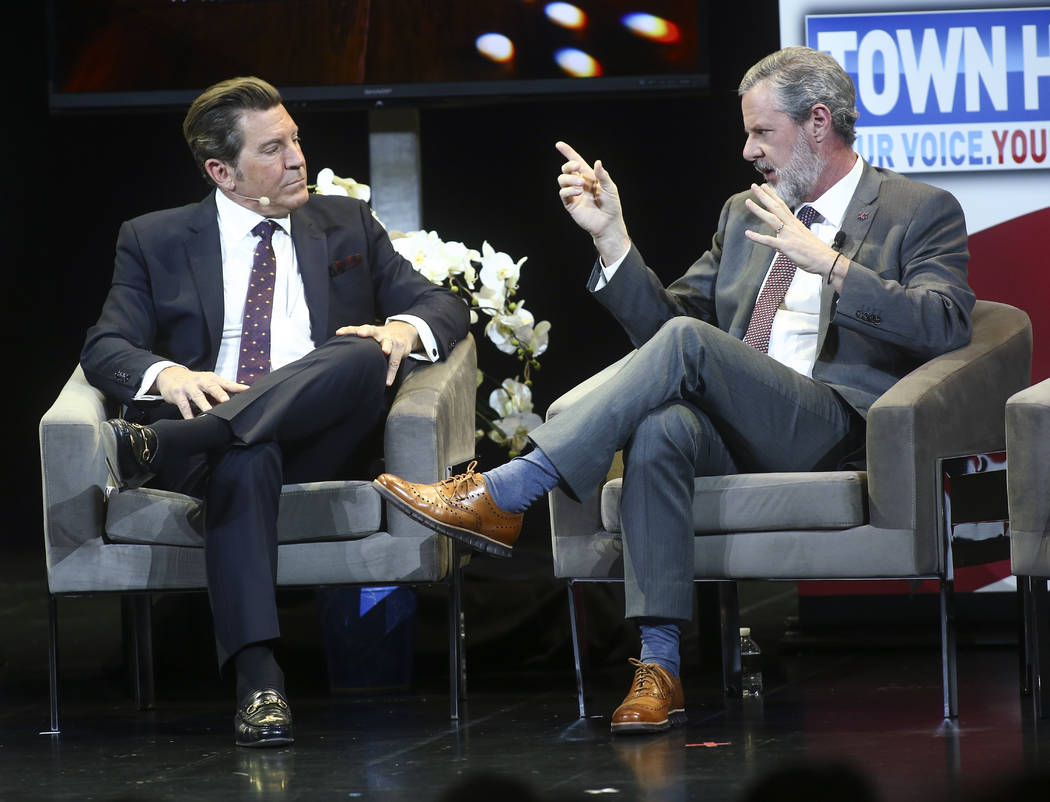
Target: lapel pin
862, 216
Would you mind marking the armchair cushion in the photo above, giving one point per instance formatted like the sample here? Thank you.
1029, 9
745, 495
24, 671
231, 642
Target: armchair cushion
765, 502
309, 512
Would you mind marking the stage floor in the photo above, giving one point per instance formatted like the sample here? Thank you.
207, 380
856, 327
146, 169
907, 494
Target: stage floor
874, 711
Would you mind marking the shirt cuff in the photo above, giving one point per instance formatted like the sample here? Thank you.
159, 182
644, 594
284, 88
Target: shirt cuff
430, 351
608, 271
148, 378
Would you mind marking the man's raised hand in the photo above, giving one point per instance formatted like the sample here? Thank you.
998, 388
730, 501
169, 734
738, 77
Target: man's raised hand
592, 200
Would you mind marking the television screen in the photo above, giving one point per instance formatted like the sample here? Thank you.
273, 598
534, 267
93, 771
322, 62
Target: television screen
120, 53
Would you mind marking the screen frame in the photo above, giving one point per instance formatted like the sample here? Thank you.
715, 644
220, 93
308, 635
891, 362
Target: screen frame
415, 94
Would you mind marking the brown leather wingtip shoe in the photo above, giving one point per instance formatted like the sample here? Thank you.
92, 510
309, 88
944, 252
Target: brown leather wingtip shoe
459, 507
655, 702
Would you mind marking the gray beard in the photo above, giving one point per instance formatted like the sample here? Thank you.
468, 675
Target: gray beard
797, 178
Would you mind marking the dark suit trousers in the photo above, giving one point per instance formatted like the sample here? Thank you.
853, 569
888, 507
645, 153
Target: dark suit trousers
300, 423
692, 401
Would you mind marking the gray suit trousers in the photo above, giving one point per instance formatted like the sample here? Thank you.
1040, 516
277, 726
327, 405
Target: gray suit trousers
692, 401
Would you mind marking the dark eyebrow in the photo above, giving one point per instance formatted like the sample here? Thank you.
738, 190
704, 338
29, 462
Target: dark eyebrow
276, 140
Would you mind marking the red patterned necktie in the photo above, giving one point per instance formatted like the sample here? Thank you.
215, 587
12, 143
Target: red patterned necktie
773, 292
255, 328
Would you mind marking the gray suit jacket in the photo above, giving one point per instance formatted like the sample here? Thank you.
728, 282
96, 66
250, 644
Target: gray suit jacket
905, 298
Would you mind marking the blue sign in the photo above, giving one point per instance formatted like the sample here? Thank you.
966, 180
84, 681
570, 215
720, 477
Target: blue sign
945, 91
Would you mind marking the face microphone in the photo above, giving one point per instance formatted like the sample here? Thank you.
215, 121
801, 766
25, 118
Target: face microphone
261, 200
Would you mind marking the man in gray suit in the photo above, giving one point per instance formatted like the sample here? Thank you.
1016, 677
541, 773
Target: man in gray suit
823, 286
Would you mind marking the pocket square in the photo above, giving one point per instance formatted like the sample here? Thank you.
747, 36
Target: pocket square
342, 265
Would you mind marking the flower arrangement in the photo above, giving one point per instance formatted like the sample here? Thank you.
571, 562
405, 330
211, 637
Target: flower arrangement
488, 281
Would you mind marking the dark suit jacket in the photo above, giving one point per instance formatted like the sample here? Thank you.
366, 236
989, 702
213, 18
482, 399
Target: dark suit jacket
166, 300
905, 298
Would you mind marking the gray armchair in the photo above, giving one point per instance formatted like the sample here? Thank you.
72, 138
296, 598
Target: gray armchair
145, 541
891, 521
1028, 489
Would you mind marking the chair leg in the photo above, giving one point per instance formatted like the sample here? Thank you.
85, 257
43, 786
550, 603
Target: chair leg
708, 622
457, 662
1040, 644
137, 612
949, 671
577, 624
1025, 639
729, 620
52, 661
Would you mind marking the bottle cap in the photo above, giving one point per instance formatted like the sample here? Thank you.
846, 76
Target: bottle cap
745, 632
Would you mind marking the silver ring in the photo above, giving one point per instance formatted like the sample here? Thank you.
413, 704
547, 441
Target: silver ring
780, 227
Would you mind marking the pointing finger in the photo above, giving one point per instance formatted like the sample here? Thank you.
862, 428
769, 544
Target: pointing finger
566, 150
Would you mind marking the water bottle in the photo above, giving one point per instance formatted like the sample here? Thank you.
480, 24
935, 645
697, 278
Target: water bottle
750, 665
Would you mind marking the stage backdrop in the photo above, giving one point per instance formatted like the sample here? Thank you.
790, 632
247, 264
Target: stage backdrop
959, 99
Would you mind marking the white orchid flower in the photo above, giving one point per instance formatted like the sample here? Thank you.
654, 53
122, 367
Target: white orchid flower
491, 300
510, 397
510, 331
328, 183
470, 274
424, 250
460, 259
513, 431
436, 259
498, 269
536, 344
512, 401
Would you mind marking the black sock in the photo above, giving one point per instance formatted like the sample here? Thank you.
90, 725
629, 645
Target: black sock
257, 670
182, 438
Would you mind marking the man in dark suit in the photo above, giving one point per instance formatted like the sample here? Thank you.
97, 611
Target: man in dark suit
823, 286
252, 338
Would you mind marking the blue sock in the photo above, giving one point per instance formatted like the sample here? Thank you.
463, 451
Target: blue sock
660, 642
516, 484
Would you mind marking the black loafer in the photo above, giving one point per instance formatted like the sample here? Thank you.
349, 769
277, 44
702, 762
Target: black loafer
264, 719
130, 451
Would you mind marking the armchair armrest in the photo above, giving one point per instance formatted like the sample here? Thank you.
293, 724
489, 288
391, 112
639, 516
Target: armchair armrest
953, 405
1028, 479
74, 470
431, 424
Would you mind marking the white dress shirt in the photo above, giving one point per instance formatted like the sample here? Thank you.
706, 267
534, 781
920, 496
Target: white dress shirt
290, 317
793, 338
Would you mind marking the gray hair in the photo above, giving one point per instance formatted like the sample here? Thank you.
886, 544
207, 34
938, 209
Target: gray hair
801, 78
212, 125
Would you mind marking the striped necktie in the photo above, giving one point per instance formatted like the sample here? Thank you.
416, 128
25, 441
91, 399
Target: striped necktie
773, 292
